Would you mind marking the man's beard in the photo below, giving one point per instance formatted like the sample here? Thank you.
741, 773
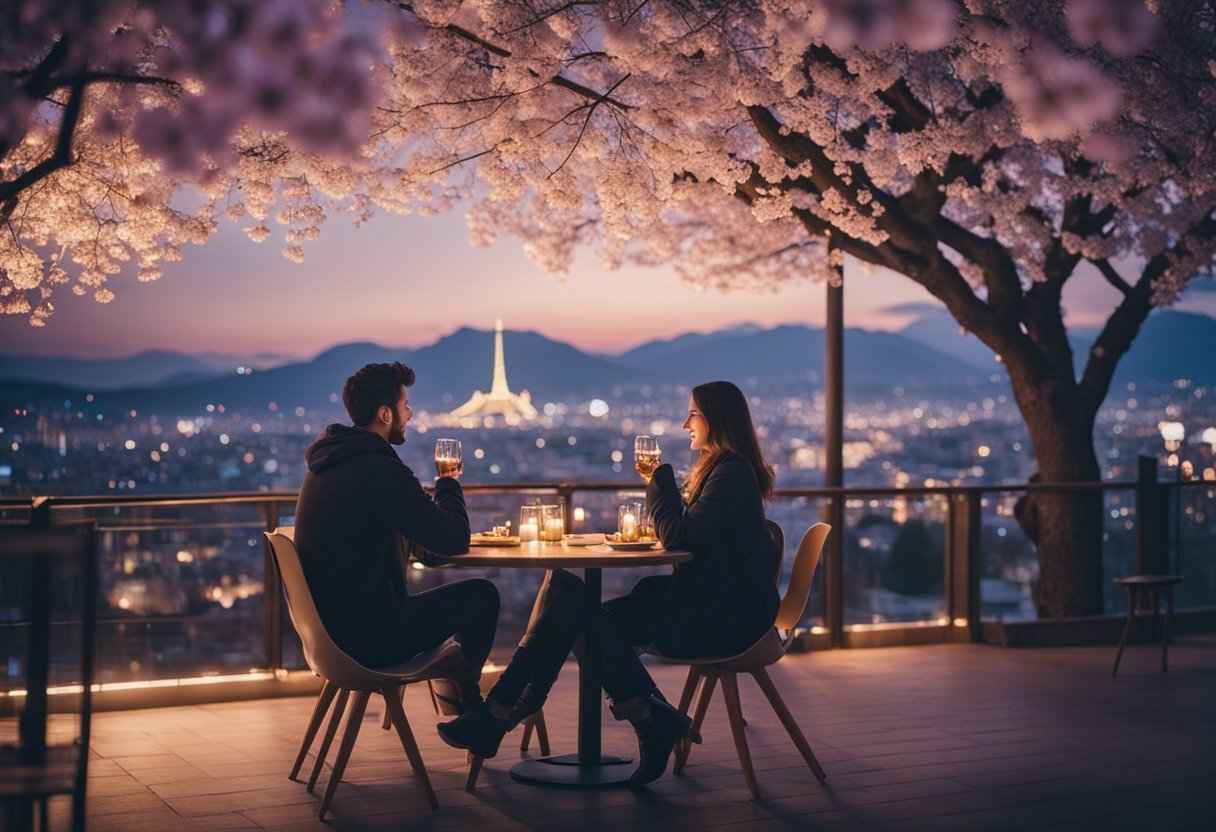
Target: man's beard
396, 432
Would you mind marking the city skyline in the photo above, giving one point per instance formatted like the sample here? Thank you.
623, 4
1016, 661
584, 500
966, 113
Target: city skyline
231, 295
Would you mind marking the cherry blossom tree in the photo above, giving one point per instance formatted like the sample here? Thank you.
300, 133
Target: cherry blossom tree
109, 107
989, 150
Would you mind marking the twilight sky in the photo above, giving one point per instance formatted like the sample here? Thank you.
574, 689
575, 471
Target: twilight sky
406, 281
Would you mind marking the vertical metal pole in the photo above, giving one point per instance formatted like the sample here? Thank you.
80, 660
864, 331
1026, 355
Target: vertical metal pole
963, 562
88, 617
589, 672
833, 456
567, 495
1152, 520
272, 595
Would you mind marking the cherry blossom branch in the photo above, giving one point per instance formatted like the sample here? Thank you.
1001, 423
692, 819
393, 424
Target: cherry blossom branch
60, 158
95, 76
583, 129
548, 13
1112, 277
558, 80
1124, 323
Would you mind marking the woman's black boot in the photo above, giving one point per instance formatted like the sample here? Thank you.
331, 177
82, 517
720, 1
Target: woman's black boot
529, 703
659, 727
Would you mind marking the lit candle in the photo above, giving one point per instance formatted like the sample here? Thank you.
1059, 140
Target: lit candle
528, 530
629, 527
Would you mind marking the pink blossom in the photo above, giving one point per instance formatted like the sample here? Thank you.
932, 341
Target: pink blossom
1058, 96
1123, 27
875, 24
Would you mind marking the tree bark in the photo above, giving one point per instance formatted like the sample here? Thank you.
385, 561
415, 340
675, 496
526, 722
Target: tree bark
1065, 526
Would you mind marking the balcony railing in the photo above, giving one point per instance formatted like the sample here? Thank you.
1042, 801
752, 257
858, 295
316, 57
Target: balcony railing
187, 590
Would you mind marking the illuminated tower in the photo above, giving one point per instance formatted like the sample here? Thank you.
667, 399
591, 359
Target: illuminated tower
500, 401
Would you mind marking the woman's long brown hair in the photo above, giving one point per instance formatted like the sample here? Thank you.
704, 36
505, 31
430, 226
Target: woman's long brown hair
730, 429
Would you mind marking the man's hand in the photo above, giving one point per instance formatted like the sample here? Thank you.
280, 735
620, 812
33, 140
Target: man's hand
449, 470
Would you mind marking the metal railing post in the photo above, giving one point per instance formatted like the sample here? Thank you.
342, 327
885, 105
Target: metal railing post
963, 566
1152, 520
272, 595
833, 452
40, 512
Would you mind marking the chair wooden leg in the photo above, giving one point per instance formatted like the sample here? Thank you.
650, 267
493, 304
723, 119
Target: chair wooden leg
431, 690
474, 770
407, 742
686, 701
730, 692
708, 681
328, 691
787, 719
690, 687
354, 720
526, 739
542, 732
1165, 634
335, 718
536, 723
1127, 628
388, 722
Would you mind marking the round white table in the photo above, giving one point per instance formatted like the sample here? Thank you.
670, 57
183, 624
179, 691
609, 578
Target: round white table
588, 768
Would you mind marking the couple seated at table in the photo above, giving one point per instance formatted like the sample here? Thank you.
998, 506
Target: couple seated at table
357, 496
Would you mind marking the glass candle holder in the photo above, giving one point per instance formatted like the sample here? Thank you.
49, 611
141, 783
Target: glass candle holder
529, 524
552, 522
629, 521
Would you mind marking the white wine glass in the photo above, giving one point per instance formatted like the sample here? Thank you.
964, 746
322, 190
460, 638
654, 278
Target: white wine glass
448, 457
646, 455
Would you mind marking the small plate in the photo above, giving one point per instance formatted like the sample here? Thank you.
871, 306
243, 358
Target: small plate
636, 546
492, 540
583, 539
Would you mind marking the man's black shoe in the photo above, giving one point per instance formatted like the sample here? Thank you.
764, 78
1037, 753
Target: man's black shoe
451, 698
478, 731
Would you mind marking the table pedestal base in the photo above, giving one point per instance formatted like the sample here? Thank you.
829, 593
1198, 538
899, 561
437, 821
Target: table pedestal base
565, 771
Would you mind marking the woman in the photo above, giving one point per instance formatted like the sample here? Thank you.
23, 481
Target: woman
718, 603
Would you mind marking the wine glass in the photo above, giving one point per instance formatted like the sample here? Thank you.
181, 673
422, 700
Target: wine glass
448, 457
646, 455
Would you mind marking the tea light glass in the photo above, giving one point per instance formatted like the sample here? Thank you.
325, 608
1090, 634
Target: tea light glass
529, 524
629, 521
552, 523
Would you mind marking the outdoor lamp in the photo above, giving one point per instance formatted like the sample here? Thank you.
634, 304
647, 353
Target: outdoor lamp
1173, 433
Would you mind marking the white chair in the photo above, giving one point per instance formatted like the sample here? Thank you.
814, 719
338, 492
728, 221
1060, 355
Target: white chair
705, 673
348, 676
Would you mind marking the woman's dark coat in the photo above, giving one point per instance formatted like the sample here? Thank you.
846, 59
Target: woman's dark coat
725, 598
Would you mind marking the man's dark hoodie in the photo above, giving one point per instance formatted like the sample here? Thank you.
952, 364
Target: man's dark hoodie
356, 498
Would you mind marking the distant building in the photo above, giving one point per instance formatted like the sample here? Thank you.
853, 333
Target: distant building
500, 401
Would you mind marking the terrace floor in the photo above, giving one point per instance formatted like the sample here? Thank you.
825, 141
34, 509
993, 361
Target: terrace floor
942, 737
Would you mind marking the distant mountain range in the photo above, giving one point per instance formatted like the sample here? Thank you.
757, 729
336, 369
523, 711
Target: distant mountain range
930, 352
1170, 345
153, 367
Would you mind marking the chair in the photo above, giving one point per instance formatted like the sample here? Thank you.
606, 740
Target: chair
48, 597
1135, 585
706, 673
349, 678
329, 692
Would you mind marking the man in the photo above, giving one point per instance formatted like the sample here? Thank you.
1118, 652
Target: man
357, 498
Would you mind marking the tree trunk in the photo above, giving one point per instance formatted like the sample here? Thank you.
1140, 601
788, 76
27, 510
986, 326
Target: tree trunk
1065, 526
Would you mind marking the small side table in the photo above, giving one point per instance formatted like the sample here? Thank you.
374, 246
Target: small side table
1152, 583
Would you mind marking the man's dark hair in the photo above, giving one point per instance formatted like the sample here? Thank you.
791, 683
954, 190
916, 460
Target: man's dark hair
372, 386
